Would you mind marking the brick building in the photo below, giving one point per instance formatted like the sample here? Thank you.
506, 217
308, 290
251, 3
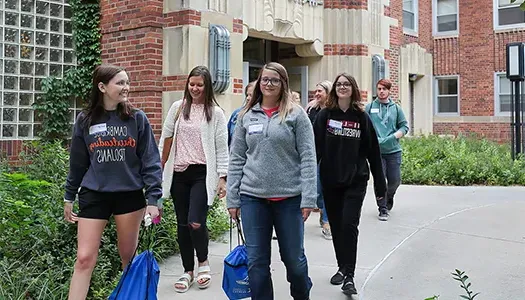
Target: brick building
445, 58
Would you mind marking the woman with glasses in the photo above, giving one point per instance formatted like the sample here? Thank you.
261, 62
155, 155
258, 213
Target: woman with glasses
272, 182
346, 143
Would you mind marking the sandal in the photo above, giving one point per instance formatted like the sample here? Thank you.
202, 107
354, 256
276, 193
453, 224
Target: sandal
204, 275
185, 280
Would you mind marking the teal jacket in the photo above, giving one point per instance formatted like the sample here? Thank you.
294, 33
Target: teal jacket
388, 118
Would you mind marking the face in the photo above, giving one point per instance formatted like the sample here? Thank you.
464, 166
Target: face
117, 89
196, 87
320, 94
382, 92
270, 83
249, 93
343, 87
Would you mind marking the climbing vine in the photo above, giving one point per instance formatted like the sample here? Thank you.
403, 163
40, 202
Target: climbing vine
53, 106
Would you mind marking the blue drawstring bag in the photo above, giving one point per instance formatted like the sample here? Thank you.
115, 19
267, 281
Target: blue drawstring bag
235, 281
140, 278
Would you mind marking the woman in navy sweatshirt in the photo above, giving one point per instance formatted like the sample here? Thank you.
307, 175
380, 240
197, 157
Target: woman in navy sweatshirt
113, 158
346, 143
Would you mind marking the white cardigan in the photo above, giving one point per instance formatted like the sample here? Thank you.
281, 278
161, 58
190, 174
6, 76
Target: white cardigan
214, 136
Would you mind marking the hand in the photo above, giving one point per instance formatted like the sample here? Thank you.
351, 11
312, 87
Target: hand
69, 215
398, 134
306, 212
153, 211
221, 188
234, 212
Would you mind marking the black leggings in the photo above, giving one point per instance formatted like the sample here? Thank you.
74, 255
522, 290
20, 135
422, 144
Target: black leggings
190, 198
343, 206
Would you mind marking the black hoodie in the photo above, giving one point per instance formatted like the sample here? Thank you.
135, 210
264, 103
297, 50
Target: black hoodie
344, 142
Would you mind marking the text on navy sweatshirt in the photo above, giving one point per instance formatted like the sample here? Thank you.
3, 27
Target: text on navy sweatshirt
114, 155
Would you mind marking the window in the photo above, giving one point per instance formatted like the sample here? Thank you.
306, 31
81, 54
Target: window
36, 43
410, 16
445, 17
503, 92
508, 15
447, 95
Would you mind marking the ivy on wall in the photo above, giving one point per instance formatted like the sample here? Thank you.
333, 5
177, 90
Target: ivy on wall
53, 106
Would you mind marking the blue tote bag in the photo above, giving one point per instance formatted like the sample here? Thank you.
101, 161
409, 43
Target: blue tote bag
141, 277
235, 281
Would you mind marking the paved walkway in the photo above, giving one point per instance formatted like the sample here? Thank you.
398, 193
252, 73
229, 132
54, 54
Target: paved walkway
431, 232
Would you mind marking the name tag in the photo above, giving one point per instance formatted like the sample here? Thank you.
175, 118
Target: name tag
374, 110
98, 128
256, 128
335, 124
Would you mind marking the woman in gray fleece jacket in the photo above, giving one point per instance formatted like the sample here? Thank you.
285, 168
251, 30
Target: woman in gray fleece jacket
272, 182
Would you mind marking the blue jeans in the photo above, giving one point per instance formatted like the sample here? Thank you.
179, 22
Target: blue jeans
392, 170
258, 217
320, 199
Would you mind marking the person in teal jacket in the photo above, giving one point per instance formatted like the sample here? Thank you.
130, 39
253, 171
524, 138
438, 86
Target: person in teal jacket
391, 125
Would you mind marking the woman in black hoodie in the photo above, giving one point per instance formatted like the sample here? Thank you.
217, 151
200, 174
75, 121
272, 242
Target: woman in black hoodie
346, 142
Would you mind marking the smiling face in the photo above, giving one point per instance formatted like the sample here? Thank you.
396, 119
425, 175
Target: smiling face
271, 83
343, 87
196, 88
320, 94
117, 89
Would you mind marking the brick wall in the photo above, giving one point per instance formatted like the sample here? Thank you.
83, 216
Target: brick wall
346, 4
11, 150
132, 38
345, 49
446, 56
396, 40
499, 132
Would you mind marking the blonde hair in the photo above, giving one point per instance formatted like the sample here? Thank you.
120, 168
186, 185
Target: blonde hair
326, 85
286, 103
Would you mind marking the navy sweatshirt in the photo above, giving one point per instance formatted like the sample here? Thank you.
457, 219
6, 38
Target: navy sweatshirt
115, 156
345, 143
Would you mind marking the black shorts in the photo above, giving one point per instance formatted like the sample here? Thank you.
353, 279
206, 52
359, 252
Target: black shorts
101, 205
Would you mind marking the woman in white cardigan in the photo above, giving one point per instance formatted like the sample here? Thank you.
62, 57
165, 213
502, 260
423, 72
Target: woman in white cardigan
194, 147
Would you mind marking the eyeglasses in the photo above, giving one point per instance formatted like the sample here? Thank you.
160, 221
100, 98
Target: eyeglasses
273, 81
342, 84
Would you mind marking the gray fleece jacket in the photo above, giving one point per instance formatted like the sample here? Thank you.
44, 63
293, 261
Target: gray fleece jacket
272, 159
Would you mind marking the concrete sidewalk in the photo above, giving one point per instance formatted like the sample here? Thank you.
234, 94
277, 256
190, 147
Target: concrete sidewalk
431, 232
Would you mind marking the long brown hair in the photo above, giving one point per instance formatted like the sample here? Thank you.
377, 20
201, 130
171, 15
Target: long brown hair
355, 97
95, 110
209, 95
285, 101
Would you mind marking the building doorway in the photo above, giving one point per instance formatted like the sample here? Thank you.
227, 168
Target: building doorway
257, 52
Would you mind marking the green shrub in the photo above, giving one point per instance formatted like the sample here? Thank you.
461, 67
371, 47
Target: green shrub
38, 248
434, 160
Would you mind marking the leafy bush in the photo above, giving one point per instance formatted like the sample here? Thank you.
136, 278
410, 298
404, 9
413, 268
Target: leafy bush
463, 278
460, 161
38, 248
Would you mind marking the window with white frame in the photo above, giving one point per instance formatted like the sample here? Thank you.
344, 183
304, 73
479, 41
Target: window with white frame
447, 95
445, 16
508, 14
504, 90
410, 15
36, 43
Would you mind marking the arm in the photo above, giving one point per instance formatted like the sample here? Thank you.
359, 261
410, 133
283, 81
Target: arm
238, 150
78, 162
148, 154
402, 124
221, 143
305, 143
320, 133
231, 125
374, 159
168, 128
